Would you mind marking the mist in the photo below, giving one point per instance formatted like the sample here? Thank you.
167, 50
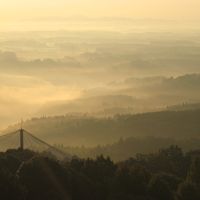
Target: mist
101, 72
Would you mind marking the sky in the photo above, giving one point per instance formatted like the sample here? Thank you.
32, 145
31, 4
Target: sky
153, 9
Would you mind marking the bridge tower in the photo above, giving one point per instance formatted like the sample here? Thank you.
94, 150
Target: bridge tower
21, 136
21, 132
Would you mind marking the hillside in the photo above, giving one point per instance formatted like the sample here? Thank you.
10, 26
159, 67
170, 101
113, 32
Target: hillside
90, 131
184, 106
105, 105
131, 147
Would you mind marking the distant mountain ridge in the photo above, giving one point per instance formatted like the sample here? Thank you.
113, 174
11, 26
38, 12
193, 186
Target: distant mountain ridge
90, 131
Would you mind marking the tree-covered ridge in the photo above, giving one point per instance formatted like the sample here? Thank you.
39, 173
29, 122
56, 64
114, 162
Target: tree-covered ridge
86, 130
184, 106
168, 174
125, 148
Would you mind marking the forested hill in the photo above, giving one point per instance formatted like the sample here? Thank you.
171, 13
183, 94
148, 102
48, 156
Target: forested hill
184, 106
130, 147
90, 131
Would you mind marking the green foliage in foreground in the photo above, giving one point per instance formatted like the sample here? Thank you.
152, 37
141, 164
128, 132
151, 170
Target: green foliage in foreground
166, 175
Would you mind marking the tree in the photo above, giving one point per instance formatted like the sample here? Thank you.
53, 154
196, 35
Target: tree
194, 171
10, 188
44, 179
130, 182
159, 188
187, 191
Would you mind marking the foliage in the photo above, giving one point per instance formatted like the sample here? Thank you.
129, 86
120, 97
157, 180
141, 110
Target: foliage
168, 174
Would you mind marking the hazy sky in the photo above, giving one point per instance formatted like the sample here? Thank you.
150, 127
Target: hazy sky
159, 9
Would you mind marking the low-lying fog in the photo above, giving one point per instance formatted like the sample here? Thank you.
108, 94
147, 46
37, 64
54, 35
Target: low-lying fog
101, 72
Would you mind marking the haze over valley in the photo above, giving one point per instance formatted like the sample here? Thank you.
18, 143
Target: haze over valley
98, 72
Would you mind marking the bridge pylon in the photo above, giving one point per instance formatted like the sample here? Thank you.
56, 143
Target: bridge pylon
21, 132
22, 139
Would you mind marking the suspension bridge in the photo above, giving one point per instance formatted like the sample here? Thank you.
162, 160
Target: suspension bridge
22, 139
